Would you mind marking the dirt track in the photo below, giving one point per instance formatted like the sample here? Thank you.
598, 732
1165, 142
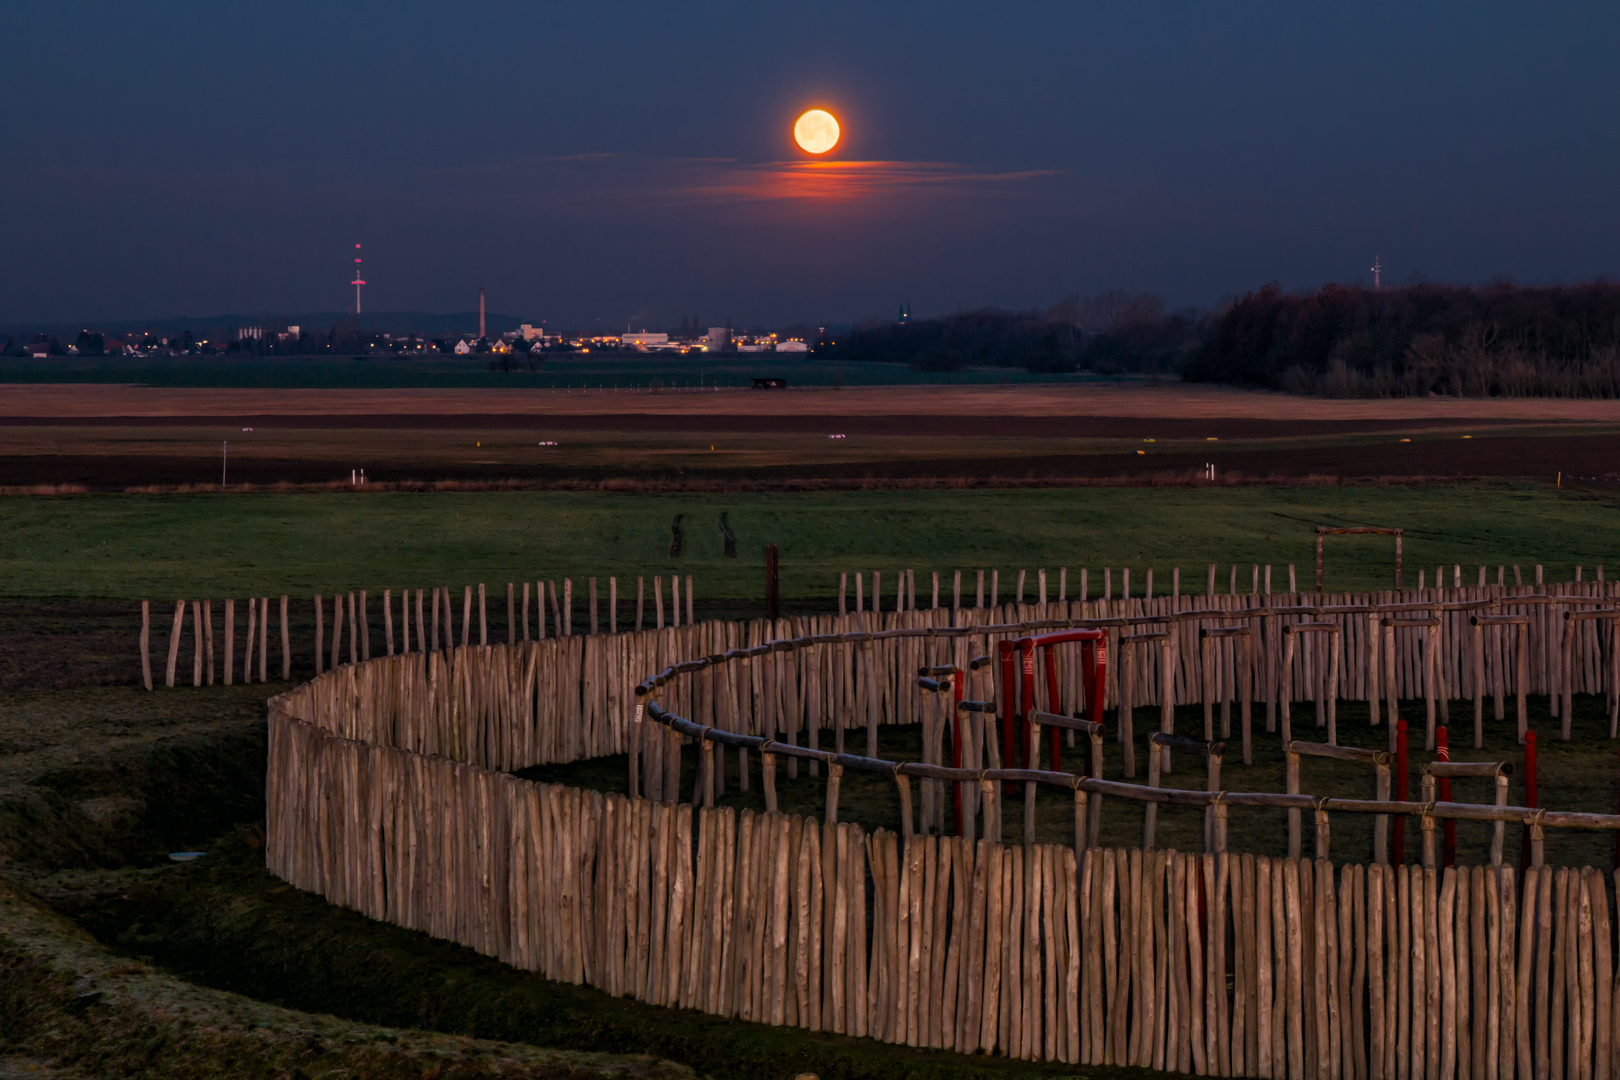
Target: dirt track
61, 401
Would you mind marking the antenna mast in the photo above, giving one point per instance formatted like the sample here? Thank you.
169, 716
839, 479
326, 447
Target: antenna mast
357, 282
1377, 270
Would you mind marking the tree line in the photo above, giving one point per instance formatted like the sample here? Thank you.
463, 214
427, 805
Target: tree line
1501, 340
1113, 333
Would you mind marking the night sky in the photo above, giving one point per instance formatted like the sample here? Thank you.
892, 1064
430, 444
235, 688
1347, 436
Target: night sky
603, 164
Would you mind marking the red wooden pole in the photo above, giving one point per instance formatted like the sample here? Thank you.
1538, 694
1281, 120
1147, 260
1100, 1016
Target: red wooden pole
1052, 702
956, 739
1009, 695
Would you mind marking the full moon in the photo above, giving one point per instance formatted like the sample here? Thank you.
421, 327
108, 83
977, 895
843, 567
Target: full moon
816, 131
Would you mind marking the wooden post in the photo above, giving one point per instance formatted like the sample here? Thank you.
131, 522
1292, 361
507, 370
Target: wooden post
691, 619
591, 586
1426, 823
174, 641
1247, 685
146, 643
768, 767
230, 641
208, 640
264, 637
835, 773
197, 644
1477, 670
286, 643
483, 617
388, 620
337, 629
511, 615
902, 782
1287, 692
1291, 776
1392, 714
247, 646
354, 634
613, 605
1566, 674
1335, 647
1381, 821
1522, 678
658, 602
1499, 827
568, 608
526, 586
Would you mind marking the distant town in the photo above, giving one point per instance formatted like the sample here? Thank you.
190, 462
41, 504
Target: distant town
345, 336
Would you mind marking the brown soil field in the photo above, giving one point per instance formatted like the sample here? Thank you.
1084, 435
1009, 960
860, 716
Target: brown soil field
114, 437
61, 401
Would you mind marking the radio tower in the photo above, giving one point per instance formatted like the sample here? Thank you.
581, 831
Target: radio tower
357, 282
1377, 269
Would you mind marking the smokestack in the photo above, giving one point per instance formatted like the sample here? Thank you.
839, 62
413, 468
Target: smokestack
481, 311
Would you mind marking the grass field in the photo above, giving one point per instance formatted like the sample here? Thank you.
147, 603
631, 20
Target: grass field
131, 546
560, 370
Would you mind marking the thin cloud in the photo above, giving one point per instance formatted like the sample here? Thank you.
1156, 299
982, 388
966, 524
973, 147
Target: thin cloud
825, 181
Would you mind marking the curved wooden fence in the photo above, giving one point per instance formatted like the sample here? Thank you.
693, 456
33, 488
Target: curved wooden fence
387, 792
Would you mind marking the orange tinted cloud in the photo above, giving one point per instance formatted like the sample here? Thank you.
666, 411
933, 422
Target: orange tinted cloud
827, 181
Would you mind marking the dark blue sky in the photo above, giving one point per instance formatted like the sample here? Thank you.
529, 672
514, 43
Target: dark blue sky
624, 162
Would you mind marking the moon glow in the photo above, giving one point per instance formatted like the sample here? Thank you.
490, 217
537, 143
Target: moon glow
816, 132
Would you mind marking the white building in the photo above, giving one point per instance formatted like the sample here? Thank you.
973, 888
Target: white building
792, 346
645, 339
718, 340
462, 348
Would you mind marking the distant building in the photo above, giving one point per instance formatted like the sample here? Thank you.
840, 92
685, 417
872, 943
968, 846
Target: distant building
718, 339
644, 339
792, 346
38, 350
531, 333
462, 348
250, 333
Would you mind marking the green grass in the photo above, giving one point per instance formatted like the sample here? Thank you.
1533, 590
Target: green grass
130, 546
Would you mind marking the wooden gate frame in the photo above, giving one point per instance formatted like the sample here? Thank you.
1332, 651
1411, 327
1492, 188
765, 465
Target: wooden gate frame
1358, 530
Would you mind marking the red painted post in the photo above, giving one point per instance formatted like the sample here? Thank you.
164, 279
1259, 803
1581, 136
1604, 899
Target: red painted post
1531, 798
1448, 828
1026, 704
1398, 848
957, 679
1052, 703
1098, 686
1009, 694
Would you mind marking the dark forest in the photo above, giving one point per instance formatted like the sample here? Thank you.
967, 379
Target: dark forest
1501, 340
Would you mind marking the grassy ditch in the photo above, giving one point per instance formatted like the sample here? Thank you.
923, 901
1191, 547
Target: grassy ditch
116, 961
